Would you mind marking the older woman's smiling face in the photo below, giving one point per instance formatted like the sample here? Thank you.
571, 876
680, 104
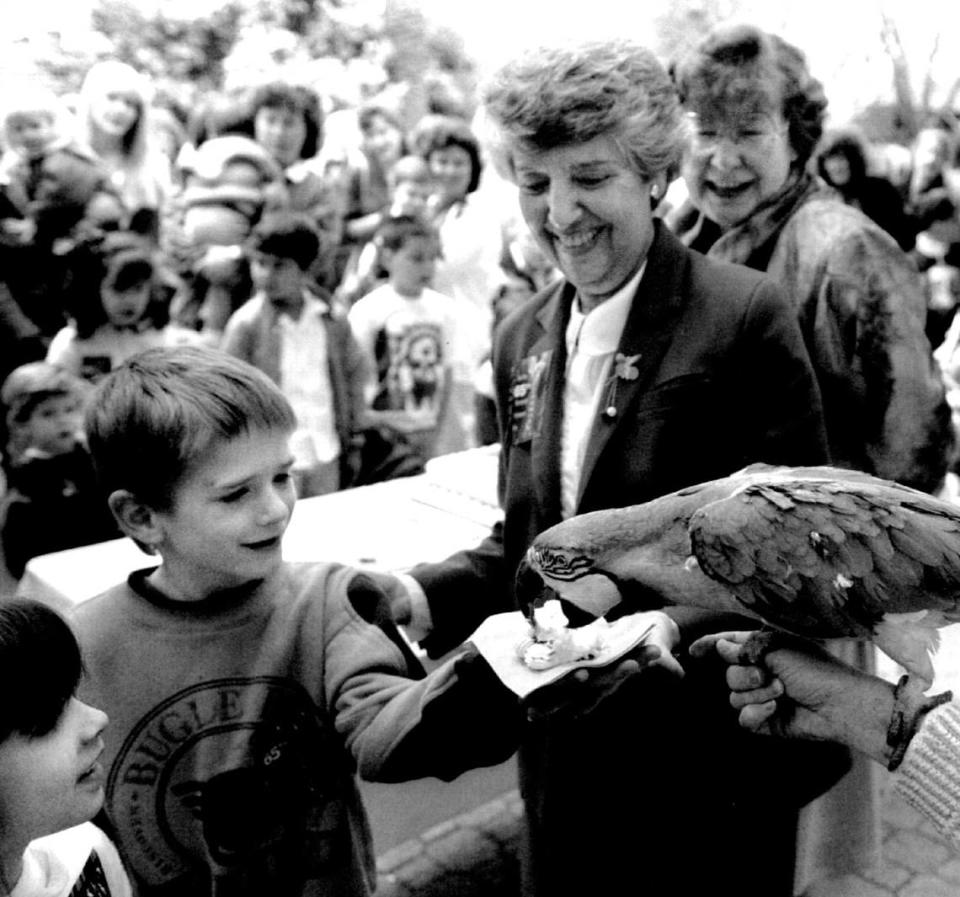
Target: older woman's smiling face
738, 158
590, 212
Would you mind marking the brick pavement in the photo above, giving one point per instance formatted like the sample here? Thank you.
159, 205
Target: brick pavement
475, 855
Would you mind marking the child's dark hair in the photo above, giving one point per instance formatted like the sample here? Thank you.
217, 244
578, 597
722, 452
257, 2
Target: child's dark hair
287, 235
395, 231
298, 99
120, 261
40, 666
151, 418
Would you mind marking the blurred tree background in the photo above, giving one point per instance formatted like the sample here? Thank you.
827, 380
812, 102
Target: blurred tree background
888, 65
348, 50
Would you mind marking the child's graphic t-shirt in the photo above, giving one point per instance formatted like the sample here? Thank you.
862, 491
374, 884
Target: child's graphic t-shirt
412, 344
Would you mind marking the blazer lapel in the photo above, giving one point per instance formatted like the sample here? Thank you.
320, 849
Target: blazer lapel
545, 446
648, 332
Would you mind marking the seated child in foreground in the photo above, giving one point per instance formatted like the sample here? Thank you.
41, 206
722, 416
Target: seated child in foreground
245, 693
51, 780
52, 500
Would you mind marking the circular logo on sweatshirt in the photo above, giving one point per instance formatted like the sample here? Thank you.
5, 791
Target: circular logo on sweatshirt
234, 781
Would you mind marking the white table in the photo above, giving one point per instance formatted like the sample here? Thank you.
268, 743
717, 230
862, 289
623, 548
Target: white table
389, 526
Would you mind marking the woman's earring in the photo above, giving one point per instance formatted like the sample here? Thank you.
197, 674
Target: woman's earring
655, 191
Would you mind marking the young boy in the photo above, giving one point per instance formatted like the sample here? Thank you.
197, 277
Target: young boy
294, 336
51, 780
416, 340
411, 184
52, 500
29, 132
244, 692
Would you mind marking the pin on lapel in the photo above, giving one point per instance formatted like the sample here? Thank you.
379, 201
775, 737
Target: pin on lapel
624, 368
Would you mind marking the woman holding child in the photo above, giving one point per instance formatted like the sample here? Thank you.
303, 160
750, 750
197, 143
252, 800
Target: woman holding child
646, 368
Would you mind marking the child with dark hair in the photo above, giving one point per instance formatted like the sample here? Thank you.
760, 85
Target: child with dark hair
842, 162
51, 779
71, 200
411, 185
116, 305
246, 693
415, 340
51, 502
292, 334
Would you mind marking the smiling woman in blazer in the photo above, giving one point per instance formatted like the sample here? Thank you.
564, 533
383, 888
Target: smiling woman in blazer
644, 369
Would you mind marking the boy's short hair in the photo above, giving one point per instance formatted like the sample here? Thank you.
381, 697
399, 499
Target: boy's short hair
287, 235
40, 666
153, 417
410, 169
395, 231
30, 384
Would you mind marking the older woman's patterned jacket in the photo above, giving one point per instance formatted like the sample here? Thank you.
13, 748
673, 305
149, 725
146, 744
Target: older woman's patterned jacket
862, 311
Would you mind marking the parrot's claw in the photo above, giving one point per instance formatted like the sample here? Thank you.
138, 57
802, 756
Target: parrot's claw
758, 645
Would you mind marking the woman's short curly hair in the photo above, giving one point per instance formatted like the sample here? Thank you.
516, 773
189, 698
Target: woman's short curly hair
744, 64
571, 94
298, 99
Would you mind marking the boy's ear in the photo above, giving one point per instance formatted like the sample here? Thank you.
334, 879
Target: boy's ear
137, 520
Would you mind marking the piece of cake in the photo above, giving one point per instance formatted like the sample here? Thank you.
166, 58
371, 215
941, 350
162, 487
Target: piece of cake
552, 642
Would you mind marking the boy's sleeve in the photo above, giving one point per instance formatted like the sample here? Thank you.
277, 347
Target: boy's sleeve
458, 717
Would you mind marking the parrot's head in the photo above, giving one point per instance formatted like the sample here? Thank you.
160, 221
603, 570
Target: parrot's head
638, 556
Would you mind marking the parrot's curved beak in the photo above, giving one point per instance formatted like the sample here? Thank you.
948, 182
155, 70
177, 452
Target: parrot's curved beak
530, 589
531, 592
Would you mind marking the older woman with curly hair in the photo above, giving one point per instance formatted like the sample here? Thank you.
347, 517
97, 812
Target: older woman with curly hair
756, 115
644, 369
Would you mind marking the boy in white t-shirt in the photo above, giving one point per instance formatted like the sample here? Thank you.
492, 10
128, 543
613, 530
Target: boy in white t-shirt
51, 778
417, 341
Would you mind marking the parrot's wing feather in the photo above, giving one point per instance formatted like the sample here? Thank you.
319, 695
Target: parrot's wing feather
831, 558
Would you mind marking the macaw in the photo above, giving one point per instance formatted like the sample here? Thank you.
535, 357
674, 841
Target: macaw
819, 552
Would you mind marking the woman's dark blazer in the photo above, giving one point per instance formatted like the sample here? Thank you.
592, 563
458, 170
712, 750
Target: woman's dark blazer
716, 377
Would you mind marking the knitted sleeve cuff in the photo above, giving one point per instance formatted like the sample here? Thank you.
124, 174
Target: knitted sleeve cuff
929, 777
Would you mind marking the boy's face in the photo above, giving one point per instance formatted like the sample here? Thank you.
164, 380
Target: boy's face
280, 279
54, 781
30, 132
412, 266
410, 198
54, 426
228, 516
124, 308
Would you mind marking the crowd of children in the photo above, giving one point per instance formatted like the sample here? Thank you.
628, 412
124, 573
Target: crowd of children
236, 226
